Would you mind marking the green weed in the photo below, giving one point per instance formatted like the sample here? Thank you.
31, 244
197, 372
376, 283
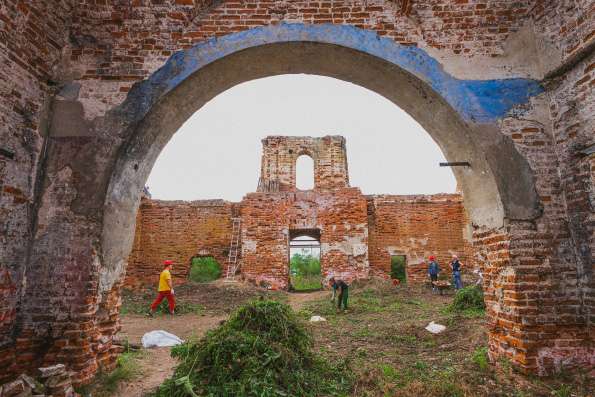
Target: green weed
480, 358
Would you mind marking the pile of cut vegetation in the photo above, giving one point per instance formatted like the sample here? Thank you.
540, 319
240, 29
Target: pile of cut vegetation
262, 350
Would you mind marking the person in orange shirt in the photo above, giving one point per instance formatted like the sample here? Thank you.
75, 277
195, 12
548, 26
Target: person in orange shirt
165, 289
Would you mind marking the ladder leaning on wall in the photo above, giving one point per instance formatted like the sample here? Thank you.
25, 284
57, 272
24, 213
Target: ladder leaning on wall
234, 247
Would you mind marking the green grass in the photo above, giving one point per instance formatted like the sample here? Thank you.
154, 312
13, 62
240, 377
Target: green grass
142, 303
306, 283
204, 270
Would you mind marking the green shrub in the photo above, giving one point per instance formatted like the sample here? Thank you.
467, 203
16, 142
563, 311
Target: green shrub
397, 268
203, 270
262, 350
468, 298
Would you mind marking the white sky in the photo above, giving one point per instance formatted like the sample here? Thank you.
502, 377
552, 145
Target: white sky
216, 153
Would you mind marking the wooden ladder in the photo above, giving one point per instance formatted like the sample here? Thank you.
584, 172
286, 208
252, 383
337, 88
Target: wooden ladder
234, 247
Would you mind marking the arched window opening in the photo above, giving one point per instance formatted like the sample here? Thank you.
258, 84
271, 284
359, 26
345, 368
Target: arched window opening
304, 173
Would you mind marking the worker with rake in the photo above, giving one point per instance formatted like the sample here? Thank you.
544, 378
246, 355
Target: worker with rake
343, 288
165, 290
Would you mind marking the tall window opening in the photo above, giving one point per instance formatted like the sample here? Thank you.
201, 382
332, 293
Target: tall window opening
304, 173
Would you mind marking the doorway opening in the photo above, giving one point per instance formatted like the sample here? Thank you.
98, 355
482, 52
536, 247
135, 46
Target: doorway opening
398, 268
304, 261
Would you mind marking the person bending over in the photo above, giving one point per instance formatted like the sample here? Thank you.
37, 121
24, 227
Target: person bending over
343, 289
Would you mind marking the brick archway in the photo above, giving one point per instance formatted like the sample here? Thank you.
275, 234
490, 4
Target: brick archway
91, 190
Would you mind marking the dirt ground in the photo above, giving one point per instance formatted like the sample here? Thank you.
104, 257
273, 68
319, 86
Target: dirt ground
382, 337
216, 298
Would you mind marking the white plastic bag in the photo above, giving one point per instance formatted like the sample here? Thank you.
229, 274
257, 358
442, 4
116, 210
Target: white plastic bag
435, 328
315, 319
160, 339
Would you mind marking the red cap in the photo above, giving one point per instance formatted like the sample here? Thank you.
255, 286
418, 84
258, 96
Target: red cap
167, 263
432, 258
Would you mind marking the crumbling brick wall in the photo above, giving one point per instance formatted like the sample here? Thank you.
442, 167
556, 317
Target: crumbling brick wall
540, 282
267, 219
32, 36
417, 227
280, 153
179, 231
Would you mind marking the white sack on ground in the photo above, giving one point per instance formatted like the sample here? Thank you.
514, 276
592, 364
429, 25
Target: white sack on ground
435, 328
315, 319
160, 339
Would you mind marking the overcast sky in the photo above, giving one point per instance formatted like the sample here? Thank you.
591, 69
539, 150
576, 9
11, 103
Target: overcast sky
216, 153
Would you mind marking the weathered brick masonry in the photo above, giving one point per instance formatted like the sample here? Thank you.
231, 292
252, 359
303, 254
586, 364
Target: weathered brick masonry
177, 231
348, 223
417, 227
73, 131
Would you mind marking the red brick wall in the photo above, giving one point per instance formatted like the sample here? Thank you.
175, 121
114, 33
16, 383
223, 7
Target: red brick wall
32, 36
131, 41
568, 26
267, 219
417, 227
177, 230
541, 278
280, 153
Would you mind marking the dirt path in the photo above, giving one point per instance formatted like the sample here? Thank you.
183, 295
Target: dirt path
156, 365
298, 300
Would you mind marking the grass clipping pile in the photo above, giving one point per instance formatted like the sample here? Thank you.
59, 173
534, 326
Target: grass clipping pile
262, 350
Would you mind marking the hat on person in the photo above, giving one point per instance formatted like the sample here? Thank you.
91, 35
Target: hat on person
432, 257
167, 263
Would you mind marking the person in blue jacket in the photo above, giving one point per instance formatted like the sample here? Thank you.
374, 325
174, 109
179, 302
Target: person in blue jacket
433, 271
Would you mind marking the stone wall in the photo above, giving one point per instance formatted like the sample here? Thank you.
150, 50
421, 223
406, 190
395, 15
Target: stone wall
417, 227
179, 231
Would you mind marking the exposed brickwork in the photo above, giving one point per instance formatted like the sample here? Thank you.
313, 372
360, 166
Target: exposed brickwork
131, 41
566, 25
539, 283
417, 227
279, 156
32, 35
178, 231
267, 219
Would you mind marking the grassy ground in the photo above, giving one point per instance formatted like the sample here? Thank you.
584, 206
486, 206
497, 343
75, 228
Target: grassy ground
306, 283
199, 298
384, 341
